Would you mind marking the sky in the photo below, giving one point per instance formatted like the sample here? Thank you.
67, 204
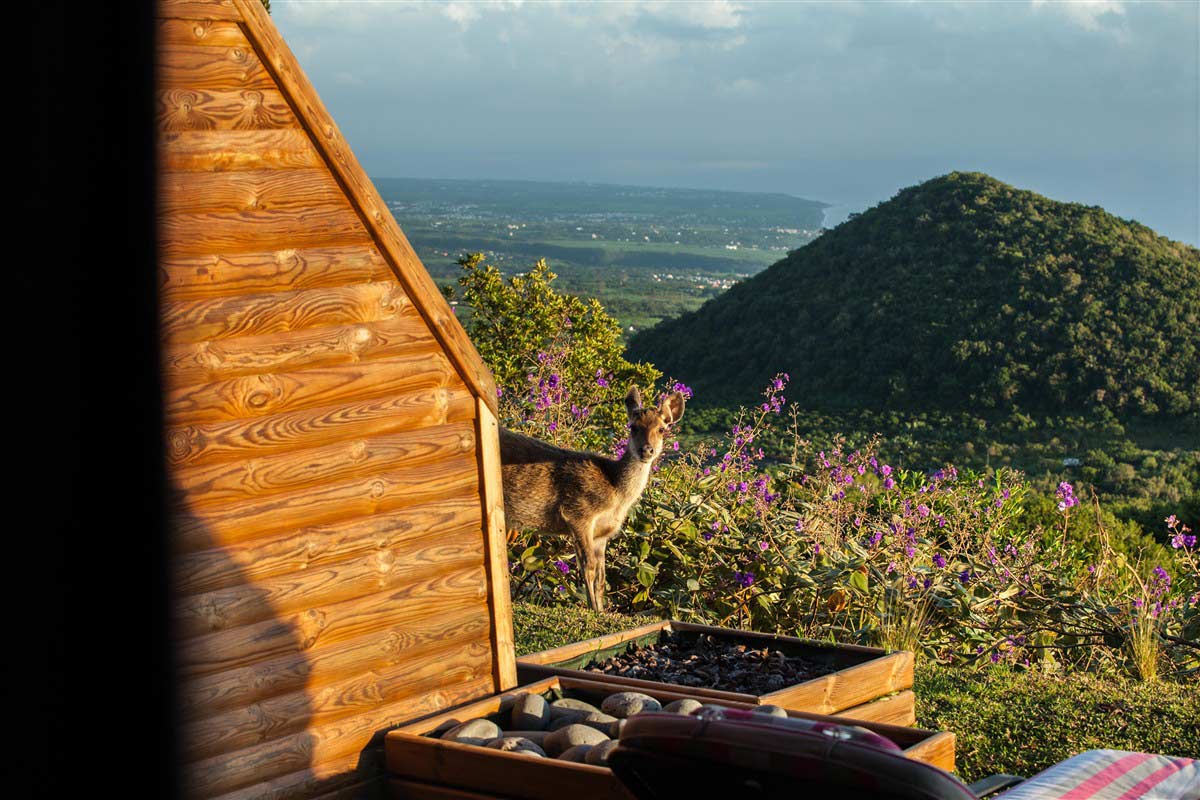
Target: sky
1096, 102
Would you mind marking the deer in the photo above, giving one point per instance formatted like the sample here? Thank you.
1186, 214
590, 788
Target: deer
583, 496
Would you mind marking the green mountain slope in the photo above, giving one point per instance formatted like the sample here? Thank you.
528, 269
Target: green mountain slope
962, 292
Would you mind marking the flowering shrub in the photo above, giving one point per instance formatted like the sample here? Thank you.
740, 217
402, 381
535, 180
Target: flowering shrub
834, 543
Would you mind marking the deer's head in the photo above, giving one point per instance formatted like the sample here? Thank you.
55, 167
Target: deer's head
648, 426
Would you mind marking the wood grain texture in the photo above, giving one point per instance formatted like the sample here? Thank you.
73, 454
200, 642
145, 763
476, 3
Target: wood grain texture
213, 110
570, 651
383, 645
207, 362
455, 585
210, 32
358, 497
317, 546
287, 714
230, 151
265, 394
395, 246
221, 483
278, 312
332, 780
496, 546
388, 569
198, 9
184, 278
399, 789
412, 401
318, 746
848, 687
895, 709
937, 750
240, 231
255, 190
222, 68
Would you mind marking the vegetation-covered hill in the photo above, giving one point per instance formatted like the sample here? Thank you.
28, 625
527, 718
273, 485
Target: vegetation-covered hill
960, 293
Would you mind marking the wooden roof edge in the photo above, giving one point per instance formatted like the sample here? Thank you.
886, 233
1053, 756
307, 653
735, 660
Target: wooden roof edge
365, 198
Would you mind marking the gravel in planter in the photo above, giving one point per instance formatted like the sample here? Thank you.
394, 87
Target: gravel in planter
711, 662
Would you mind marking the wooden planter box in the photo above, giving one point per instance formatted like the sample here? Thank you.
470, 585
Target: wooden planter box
869, 684
422, 766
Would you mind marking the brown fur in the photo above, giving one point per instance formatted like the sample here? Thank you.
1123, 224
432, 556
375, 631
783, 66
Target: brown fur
585, 496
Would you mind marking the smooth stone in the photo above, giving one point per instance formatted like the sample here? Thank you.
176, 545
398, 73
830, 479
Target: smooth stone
516, 744
537, 737
477, 731
577, 753
685, 706
565, 738
568, 706
598, 755
626, 704
593, 719
770, 710
531, 712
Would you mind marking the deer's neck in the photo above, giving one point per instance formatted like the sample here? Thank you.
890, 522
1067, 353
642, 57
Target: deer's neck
632, 476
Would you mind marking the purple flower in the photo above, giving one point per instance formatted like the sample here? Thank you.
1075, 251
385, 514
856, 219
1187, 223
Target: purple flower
1066, 496
764, 546
563, 566
964, 577
744, 578
600, 380
888, 483
923, 510
939, 560
816, 549
885, 470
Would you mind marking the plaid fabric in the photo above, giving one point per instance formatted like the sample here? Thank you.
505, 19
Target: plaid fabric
1113, 775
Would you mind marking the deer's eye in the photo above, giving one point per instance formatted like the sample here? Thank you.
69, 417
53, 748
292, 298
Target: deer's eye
662, 430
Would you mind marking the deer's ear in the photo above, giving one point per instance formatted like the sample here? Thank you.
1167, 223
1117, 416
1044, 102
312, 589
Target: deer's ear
671, 407
633, 401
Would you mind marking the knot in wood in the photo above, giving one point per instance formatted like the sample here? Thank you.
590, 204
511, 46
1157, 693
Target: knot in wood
237, 55
358, 450
378, 489
179, 443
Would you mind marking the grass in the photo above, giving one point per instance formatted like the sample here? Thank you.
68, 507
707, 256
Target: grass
1005, 720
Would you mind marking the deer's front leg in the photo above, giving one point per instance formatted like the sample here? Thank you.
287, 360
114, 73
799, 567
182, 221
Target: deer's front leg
597, 575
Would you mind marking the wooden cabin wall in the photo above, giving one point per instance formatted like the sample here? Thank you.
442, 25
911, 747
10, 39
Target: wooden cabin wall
331, 560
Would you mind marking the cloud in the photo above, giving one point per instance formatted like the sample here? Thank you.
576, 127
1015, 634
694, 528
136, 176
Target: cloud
1087, 14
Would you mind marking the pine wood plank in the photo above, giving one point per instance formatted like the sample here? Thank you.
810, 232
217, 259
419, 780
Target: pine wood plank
223, 68
240, 231
399, 789
287, 714
185, 278
317, 546
454, 584
280, 312
496, 545
332, 780
271, 393
230, 151
412, 400
341, 500
387, 643
195, 363
571, 651
216, 484
248, 604
254, 190
896, 709
316, 747
198, 9
212, 110
848, 687
210, 32
395, 246
937, 750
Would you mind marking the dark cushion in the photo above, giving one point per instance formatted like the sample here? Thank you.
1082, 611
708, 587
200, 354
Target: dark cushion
668, 755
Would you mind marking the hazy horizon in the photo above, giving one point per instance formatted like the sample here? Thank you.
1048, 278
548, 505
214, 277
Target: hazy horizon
1093, 102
